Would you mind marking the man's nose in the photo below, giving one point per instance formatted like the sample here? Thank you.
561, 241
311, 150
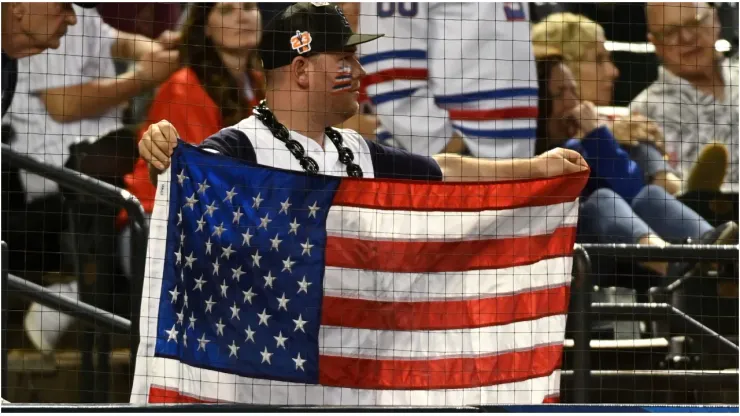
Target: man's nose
71, 17
358, 70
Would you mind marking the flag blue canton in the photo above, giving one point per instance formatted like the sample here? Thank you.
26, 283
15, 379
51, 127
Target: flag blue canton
243, 276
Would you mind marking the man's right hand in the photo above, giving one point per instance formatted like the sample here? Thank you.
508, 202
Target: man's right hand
158, 144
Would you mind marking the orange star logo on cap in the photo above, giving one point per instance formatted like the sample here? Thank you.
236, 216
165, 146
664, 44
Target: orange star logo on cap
301, 42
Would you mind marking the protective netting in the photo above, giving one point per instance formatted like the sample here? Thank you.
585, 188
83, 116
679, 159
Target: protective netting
370, 204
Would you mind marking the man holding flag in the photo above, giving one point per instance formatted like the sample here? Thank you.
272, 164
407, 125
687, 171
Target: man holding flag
266, 286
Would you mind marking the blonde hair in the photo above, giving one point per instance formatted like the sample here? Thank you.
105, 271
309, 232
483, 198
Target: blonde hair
566, 34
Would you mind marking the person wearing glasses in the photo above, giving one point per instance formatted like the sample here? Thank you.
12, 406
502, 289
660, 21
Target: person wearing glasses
695, 98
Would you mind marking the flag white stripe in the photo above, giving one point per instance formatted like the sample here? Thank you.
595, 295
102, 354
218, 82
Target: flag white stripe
389, 286
376, 224
212, 385
455, 343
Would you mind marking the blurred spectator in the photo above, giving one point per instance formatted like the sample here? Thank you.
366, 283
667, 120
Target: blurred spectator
219, 84
695, 98
70, 98
29, 29
148, 19
618, 207
451, 77
581, 43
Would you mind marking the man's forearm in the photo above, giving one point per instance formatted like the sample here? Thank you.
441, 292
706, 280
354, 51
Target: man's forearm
92, 99
457, 168
132, 46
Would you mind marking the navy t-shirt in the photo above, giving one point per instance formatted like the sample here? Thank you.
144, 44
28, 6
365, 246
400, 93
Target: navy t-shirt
388, 162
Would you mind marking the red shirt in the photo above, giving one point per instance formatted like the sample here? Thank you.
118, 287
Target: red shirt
184, 102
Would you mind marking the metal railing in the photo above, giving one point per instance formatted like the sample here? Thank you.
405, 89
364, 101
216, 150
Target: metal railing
114, 197
582, 308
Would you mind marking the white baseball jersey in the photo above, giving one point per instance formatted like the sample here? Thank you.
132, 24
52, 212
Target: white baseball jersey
452, 67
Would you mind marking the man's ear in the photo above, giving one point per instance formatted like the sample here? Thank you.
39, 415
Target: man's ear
299, 70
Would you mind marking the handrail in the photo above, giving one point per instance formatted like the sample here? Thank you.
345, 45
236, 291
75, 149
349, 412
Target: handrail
710, 253
648, 311
100, 318
82, 183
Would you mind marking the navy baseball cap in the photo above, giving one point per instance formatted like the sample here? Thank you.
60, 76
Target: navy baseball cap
304, 29
87, 5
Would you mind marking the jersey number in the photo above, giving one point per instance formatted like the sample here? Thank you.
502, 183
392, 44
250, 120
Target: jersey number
405, 9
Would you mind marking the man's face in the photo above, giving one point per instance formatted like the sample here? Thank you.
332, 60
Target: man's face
46, 23
684, 35
336, 84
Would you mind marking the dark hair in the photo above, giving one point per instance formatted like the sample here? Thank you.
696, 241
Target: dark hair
199, 53
545, 65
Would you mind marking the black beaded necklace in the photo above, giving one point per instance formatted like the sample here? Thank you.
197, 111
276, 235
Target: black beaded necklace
265, 115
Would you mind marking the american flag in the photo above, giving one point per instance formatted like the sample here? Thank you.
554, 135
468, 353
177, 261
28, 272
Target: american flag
267, 286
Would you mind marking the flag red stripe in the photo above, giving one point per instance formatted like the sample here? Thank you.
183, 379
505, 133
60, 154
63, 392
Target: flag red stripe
447, 256
411, 74
553, 398
165, 395
494, 114
451, 373
444, 315
457, 196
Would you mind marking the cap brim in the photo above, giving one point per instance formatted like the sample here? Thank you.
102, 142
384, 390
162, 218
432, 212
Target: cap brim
87, 5
358, 39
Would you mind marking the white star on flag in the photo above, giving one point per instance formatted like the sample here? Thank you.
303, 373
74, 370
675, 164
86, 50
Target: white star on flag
199, 282
235, 312
227, 251
313, 210
202, 187
174, 294
303, 285
257, 201
275, 243
269, 279
294, 226
280, 340
287, 265
233, 349
248, 295
211, 208
201, 222
192, 320
247, 237
230, 194
218, 230
224, 287
189, 260
202, 341
264, 221
256, 259
299, 323
250, 334
306, 248
284, 206
299, 362
237, 216
266, 356
237, 273
215, 267
263, 317
220, 327
283, 302
209, 304
181, 177
208, 246
172, 334
191, 201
